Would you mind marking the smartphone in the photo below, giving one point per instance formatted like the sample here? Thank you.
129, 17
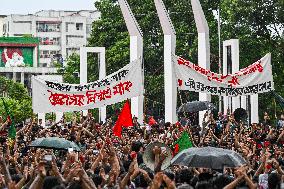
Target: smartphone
48, 158
95, 152
70, 150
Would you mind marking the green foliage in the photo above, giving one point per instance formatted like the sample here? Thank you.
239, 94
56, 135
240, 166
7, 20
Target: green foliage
259, 25
69, 116
73, 66
253, 22
110, 31
17, 98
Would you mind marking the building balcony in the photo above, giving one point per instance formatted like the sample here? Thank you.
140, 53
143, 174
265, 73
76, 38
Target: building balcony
29, 70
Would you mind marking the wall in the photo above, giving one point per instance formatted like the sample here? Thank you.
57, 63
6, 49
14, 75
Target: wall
1, 26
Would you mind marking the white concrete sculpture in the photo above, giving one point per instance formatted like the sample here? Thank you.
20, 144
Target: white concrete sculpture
231, 102
237, 102
84, 71
136, 52
203, 45
254, 117
169, 50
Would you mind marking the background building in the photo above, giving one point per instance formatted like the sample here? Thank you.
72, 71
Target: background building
33, 42
60, 33
19, 59
2, 17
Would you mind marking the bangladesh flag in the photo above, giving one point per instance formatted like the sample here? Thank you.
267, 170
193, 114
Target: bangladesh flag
12, 129
184, 142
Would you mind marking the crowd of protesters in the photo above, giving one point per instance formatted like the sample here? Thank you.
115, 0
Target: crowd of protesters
106, 161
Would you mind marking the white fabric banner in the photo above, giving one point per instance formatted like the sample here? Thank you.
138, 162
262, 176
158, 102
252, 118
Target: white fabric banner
256, 78
49, 96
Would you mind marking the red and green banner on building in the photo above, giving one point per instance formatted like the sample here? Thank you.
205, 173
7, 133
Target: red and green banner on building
17, 51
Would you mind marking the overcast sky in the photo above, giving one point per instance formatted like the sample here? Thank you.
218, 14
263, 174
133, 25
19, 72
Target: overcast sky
31, 6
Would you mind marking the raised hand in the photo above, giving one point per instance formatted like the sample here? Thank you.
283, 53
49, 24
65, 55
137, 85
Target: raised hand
12, 185
275, 163
54, 167
156, 150
26, 172
157, 181
41, 169
131, 168
164, 155
103, 174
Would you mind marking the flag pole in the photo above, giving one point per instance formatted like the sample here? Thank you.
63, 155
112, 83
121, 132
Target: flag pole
275, 114
181, 102
219, 41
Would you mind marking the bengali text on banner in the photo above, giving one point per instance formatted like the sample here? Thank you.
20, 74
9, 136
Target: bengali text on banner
254, 79
51, 96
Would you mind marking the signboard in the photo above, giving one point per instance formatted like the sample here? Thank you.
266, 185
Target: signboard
16, 57
254, 79
50, 96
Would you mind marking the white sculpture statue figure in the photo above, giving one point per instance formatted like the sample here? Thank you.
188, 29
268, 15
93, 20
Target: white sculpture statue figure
15, 61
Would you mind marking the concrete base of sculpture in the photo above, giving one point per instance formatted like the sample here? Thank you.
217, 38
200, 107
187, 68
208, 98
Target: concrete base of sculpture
84, 71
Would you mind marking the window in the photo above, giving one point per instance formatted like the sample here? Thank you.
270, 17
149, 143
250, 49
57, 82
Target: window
49, 40
44, 65
48, 27
48, 54
4, 28
56, 40
89, 28
23, 22
44, 54
26, 80
69, 26
79, 26
75, 40
18, 35
9, 75
18, 77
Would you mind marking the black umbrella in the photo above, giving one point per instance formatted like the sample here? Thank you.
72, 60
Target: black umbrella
208, 157
279, 99
54, 143
196, 106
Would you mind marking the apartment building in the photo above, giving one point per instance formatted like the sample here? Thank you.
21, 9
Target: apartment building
60, 33
19, 59
2, 17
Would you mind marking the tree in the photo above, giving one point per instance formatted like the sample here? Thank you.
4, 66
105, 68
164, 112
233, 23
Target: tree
70, 71
253, 22
259, 25
17, 98
111, 32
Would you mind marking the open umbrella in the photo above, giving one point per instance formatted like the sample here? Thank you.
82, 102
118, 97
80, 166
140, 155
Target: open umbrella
196, 106
208, 157
54, 143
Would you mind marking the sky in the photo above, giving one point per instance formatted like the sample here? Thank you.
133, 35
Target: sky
31, 6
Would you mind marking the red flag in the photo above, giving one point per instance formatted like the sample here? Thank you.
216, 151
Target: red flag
124, 119
9, 119
152, 121
176, 150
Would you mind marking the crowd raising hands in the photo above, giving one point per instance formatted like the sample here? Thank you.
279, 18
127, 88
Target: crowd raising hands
106, 161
